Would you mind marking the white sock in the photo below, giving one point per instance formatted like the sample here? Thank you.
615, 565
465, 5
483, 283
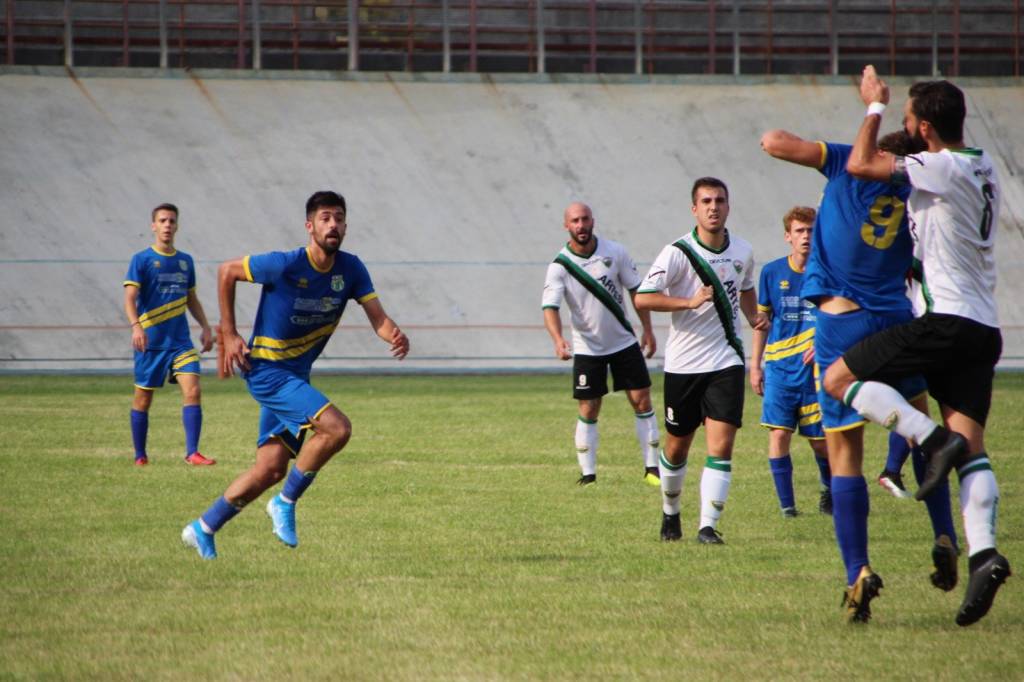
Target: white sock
979, 502
884, 405
714, 490
648, 438
672, 478
586, 446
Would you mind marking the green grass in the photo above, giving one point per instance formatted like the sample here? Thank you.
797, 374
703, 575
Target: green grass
448, 541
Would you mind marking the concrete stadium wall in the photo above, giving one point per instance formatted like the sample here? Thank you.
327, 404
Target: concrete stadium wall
455, 185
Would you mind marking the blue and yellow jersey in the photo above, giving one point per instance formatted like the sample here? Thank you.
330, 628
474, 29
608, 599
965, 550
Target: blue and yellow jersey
300, 306
792, 330
861, 247
163, 280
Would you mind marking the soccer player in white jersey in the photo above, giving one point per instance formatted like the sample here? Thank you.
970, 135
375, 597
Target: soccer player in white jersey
593, 277
703, 279
954, 213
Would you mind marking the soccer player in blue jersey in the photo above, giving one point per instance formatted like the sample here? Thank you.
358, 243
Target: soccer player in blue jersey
159, 287
304, 293
860, 254
781, 367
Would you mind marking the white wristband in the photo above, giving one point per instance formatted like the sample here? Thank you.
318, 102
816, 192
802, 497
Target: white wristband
875, 108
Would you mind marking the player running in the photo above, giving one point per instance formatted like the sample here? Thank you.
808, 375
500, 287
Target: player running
704, 279
159, 287
303, 296
592, 275
954, 212
786, 349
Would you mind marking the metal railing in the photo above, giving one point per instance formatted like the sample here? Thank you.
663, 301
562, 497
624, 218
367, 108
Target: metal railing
593, 36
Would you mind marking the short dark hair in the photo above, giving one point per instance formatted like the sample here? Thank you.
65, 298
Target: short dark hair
804, 214
942, 104
898, 143
707, 182
324, 199
164, 207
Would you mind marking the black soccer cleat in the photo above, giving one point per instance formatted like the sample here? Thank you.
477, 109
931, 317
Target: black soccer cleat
944, 556
586, 479
942, 450
790, 512
670, 528
857, 597
982, 586
709, 536
825, 501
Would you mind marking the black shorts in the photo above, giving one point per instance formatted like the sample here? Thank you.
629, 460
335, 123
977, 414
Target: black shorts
689, 398
590, 373
956, 355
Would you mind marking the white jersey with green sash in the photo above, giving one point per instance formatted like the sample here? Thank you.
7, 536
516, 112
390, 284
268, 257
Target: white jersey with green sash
706, 339
595, 289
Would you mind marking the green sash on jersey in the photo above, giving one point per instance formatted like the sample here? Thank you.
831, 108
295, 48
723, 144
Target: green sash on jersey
917, 273
722, 306
594, 287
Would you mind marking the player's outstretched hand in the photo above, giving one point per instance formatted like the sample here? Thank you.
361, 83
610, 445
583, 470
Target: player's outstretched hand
873, 88
234, 353
399, 344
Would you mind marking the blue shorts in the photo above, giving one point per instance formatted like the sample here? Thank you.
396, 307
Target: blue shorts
833, 336
288, 404
792, 409
152, 367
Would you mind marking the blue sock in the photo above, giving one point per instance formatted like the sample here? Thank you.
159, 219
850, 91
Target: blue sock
219, 513
824, 472
850, 509
782, 472
296, 483
192, 418
938, 502
140, 428
899, 450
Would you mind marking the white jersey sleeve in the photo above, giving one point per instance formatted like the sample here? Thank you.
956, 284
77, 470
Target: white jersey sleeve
554, 286
664, 271
628, 275
747, 283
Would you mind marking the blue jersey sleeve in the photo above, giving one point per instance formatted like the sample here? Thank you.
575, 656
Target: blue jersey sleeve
764, 300
834, 163
265, 268
135, 270
363, 285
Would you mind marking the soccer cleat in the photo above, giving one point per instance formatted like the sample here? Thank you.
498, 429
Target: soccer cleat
709, 536
944, 556
670, 528
825, 501
193, 535
652, 476
892, 481
282, 515
857, 597
141, 461
790, 512
196, 459
586, 479
981, 589
941, 459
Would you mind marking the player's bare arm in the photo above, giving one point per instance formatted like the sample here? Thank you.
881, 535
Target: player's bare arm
648, 344
786, 146
553, 323
865, 162
235, 353
663, 303
131, 309
386, 328
196, 308
760, 340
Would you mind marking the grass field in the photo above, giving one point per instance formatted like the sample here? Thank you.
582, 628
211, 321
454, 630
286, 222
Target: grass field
448, 541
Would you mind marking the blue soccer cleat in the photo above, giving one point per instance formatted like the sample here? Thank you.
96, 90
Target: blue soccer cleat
193, 535
283, 516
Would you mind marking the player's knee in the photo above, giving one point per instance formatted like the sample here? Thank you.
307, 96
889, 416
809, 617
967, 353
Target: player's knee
271, 473
336, 432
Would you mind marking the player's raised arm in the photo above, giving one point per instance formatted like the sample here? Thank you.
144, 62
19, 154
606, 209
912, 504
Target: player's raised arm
386, 328
234, 352
786, 146
865, 162
663, 303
